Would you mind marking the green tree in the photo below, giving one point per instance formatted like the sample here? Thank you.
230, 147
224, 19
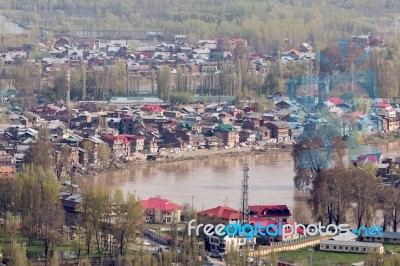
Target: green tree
128, 220
37, 200
121, 127
40, 153
163, 82
18, 255
180, 98
104, 154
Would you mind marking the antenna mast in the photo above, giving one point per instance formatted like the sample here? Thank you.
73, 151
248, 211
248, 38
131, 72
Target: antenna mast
245, 194
68, 94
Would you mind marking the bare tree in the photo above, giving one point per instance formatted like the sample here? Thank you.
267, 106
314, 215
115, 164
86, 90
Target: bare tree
314, 151
364, 191
330, 195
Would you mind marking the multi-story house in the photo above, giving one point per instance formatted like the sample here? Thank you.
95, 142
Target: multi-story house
137, 143
279, 131
228, 134
390, 124
223, 215
159, 210
119, 145
271, 212
91, 146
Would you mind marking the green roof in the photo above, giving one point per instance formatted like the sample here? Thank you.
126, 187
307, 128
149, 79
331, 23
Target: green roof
8, 93
224, 127
71, 139
187, 124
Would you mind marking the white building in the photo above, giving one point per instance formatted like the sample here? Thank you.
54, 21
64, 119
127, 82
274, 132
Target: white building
351, 247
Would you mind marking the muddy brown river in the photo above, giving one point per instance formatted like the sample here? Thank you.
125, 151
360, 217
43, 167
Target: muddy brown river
217, 181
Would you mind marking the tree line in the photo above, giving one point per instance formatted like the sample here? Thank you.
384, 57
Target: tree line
269, 25
106, 224
341, 192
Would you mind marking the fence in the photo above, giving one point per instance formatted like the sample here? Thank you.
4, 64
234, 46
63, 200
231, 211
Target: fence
289, 245
155, 237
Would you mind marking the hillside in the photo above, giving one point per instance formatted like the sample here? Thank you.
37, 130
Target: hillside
266, 24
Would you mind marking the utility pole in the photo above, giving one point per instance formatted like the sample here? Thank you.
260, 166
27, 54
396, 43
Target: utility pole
245, 194
68, 94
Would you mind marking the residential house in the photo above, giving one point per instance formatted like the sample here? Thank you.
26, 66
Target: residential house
222, 215
197, 141
213, 142
247, 136
6, 159
228, 134
295, 130
91, 147
252, 121
119, 145
7, 172
137, 143
159, 210
71, 202
75, 57
371, 158
390, 124
271, 212
150, 144
262, 133
279, 131
61, 42
180, 39
380, 108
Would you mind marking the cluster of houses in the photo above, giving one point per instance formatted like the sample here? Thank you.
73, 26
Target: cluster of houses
148, 127
202, 58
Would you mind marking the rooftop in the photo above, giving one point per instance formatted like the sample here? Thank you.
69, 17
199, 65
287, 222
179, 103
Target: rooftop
160, 204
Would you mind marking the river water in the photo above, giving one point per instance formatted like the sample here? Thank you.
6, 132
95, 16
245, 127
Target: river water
217, 181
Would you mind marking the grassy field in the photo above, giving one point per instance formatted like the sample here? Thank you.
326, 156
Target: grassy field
394, 248
35, 248
319, 258
316, 258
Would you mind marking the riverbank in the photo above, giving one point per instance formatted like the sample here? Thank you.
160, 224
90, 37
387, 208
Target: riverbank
199, 154
381, 138
170, 155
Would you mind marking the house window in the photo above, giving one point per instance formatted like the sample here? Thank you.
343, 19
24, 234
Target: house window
352, 248
364, 249
346, 248
340, 247
334, 247
327, 246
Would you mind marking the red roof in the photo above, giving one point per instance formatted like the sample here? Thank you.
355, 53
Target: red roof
270, 210
237, 40
371, 158
263, 222
131, 137
152, 108
381, 105
222, 212
336, 100
160, 204
113, 138
356, 114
